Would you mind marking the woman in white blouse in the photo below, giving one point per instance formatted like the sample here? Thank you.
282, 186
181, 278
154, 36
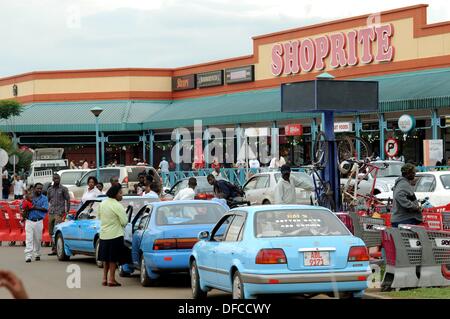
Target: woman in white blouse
92, 191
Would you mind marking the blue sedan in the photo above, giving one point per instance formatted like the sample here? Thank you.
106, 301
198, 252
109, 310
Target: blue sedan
289, 249
80, 233
164, 234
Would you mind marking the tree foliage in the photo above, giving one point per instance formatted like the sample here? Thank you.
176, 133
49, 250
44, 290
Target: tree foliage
6, 142
10, 108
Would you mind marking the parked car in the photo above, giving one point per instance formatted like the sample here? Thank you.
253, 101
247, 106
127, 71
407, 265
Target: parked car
279, 249
69, 177
435, 186
202, 191
128, 176
164, 234
387, 175
260, 188
79, 234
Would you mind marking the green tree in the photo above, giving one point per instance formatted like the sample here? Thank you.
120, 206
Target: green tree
6, 142
25, 159
10, 108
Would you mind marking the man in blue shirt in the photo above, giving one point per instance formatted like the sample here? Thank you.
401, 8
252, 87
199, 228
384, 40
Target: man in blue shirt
34, 224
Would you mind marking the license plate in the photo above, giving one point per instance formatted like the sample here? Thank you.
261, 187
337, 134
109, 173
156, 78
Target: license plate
316, 258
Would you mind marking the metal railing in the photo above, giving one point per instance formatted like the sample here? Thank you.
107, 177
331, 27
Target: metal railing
236, 176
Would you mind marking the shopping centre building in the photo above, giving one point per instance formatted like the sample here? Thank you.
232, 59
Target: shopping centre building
408, 57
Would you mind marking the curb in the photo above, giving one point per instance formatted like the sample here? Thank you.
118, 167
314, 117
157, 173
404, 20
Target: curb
375, 296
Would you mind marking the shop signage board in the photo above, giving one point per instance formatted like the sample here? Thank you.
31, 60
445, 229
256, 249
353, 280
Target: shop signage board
406, 123
337, 50
240, 75
342, 127
433, 151
185, 82
209, 79
391, 147
293, 130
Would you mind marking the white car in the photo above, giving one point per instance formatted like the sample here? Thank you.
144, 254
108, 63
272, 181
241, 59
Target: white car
435, 186
260, 188
386, 178
69, 177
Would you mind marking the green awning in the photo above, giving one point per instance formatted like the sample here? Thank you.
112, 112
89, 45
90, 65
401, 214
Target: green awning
398, 92
429, 89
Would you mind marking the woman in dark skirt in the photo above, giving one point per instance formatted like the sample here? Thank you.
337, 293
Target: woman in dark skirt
112, 250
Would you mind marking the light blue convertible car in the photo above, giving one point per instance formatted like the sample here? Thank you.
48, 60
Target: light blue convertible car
289, 249
79, 234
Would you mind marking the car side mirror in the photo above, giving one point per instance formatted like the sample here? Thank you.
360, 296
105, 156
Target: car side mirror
204, 235
70, 217
167, 191
78, 183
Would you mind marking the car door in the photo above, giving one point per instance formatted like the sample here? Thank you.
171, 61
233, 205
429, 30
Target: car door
229, 249
425, 186
71, 233
206, 252
262, 188
250, 190
139, 228
88, 228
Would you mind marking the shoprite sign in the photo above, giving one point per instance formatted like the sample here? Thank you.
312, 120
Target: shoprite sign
342, 49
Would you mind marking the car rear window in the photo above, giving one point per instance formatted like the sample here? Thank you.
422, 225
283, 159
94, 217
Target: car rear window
191, 214
297, 223
70, 178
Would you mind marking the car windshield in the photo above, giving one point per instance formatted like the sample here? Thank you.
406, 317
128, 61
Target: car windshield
393, 170
299, 175
189, 214
298, 223
445, 179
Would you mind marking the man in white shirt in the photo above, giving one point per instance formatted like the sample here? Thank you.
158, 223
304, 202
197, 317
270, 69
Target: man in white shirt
189, 192
151, 191
254, 163
164, 166
285, 189
19, 187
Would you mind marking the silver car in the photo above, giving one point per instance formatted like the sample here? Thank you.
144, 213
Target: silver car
260, 188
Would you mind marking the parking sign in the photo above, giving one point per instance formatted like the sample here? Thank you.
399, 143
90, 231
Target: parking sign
391, 147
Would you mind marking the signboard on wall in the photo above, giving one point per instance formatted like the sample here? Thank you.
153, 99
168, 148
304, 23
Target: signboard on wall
185, 82
406, 123
293, 130
240, 75
208, 79
433, 151
342, 127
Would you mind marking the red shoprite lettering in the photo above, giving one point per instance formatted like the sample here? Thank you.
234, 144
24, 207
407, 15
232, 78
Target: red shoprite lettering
341, 48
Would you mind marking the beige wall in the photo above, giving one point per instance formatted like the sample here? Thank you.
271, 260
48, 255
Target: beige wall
89, 85
406, 48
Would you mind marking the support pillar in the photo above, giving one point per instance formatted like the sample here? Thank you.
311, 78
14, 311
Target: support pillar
358, 128
275, 140
331, 171
206, 146
435, 123
143, 139
313, 135
151, 142
102, 147
382, 125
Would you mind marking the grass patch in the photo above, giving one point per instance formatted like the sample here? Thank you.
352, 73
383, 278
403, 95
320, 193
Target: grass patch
421, 293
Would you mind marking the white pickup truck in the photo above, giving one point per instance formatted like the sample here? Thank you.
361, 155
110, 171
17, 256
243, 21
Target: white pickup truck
46, 162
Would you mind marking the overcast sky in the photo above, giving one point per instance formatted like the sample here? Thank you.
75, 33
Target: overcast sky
77, 34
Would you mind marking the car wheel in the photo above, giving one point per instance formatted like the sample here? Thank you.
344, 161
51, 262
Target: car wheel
197, 292
238, 286
144, 278
266, 202
123, 273
98, 262
60, 251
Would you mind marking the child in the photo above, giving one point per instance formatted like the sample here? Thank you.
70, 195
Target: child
27, 204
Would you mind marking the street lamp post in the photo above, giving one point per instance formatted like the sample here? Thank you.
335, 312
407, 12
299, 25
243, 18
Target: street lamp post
97, 111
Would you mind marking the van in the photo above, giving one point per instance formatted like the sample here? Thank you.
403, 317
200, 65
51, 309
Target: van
128, 176
46, 162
